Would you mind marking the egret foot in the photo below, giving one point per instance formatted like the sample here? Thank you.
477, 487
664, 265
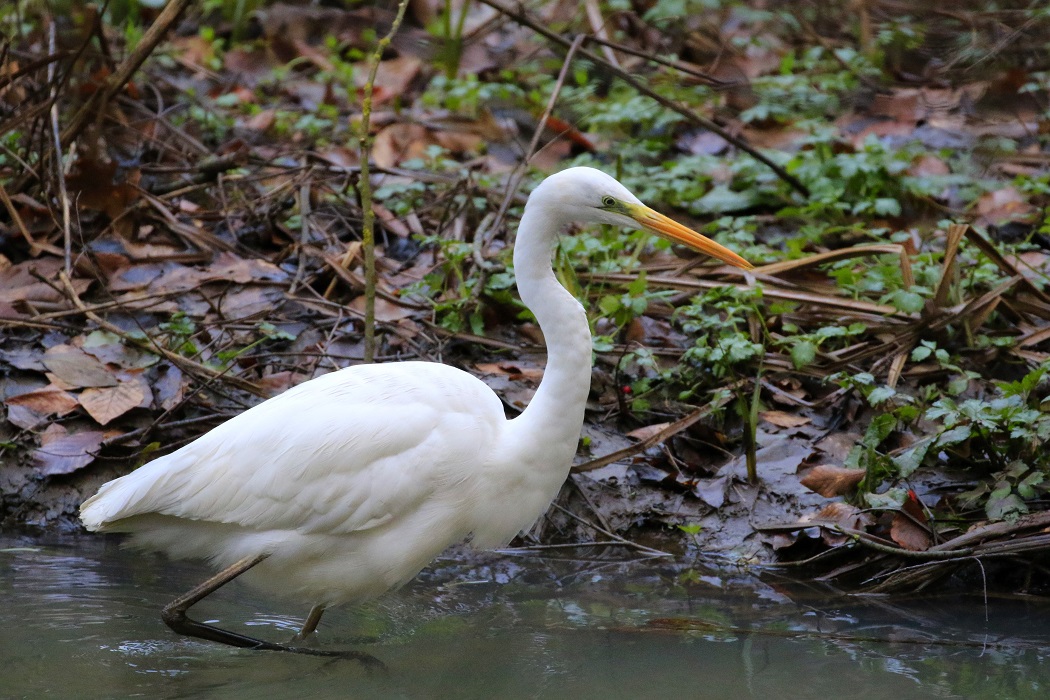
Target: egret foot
310, 624
174, 616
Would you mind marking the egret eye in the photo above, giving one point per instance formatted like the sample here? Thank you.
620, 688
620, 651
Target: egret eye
608, 201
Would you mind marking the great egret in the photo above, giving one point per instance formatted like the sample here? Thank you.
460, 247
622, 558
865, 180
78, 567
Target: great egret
347, 485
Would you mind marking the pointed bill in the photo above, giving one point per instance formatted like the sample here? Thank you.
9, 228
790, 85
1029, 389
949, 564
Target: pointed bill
671, 229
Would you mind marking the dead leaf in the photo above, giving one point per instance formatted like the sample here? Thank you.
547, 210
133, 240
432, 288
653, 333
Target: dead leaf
1002, 205
261, 121
830, 481
169, 387
107, 403
399, 142
25, 417
905, 105
928, 165
63, 453
844, 515
94, 184
76, 369
783, 419
20, 282
646, 432
712, 491
51, 400
393, 77
386, 311
906, 529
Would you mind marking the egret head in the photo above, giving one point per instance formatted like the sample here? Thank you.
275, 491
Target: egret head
586, 195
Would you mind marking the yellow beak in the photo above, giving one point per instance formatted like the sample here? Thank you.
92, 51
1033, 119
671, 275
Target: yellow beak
671, 229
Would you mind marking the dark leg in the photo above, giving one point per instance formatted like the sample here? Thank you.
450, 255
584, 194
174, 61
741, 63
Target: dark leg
174, 616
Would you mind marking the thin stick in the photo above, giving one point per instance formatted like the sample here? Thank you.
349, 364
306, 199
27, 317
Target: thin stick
60, 171
607, 533
594, 16
364, 189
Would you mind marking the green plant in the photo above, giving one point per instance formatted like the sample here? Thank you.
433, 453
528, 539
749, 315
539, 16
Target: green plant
177, 334
718, 321
269, 332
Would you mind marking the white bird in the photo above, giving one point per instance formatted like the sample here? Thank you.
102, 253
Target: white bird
347, 485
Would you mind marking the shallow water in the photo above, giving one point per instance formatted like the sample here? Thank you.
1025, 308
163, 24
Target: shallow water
80, 619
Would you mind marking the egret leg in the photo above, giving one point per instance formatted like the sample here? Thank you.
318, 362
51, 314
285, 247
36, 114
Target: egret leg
310, 625
174, 616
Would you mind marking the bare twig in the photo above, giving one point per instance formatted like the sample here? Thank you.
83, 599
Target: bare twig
607, 533
364, 188
60, 171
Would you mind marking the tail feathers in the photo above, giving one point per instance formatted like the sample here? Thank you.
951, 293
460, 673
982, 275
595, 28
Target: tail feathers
143, 491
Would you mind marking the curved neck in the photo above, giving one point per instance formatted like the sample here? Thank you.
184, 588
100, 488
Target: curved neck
556, 411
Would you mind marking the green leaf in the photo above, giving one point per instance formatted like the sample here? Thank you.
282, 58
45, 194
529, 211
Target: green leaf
803, 353
609, 305
886, 206
921, 353
891, 500
879, 429
1004, 504
959, 433
909, 460
722, 199
881, 394
906, 301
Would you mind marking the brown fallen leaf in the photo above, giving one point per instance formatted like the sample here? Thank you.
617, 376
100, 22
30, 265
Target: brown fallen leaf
843, 515
47, 401
61, 452
386, 311
647, 431
783, 419
169, 387
1003, 205
906, 529
830, 481
106, 403
76, 369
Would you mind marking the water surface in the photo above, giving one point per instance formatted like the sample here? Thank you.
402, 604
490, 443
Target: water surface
80, 619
